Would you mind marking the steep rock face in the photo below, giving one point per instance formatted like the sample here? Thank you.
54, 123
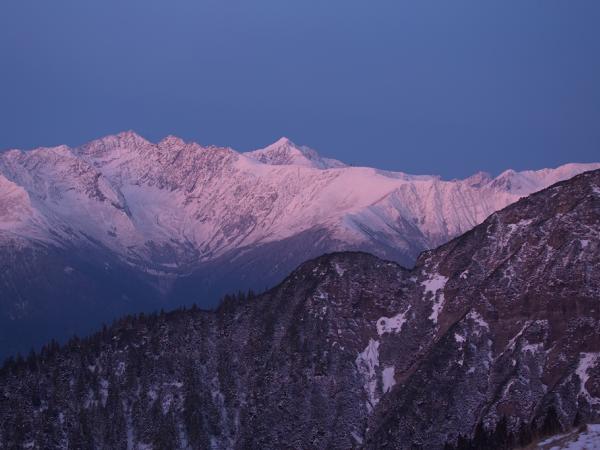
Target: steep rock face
193, 222
349, 351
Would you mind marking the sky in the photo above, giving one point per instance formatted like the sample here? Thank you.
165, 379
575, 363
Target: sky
436, 87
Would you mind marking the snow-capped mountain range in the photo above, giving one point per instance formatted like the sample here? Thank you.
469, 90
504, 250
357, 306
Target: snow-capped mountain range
173, 204
123, 225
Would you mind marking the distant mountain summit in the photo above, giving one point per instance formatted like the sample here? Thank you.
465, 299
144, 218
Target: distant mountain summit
152, 225
285, 152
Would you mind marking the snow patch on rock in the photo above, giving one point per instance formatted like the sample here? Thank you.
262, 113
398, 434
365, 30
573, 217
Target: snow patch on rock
391, 324
589, 439
387, 378
531, 348
587, 361
521, 224
434, 285
478, 319
367, 361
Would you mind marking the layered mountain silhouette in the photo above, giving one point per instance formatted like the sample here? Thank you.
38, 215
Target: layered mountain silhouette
122, 224
490, 340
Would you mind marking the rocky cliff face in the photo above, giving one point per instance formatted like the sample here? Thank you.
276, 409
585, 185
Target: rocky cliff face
190, 223
500, 325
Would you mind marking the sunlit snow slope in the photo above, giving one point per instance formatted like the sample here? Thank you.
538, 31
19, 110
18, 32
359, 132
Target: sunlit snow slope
124, 225
175, 204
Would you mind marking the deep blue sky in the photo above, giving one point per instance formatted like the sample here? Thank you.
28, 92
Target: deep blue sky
447, 87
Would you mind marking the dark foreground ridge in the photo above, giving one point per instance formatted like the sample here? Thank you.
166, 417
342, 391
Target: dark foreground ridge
490, 341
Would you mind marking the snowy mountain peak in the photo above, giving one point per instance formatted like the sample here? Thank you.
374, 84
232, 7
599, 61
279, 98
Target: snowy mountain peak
123, 140
128, 137
284, 152
128, 134
527, 181
171, 141
283, 141
478, 179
